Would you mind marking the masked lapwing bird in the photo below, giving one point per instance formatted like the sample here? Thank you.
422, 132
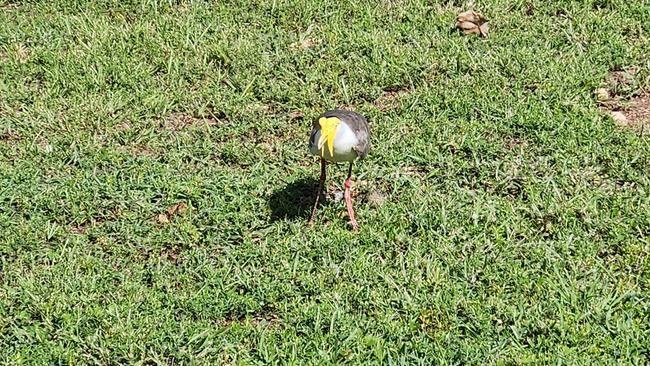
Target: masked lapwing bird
339, 136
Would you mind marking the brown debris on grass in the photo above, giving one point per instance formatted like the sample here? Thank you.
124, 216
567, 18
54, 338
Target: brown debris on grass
171, 254
8, 6
9, 137
629, 112
178, 208
22, 52
471, 22
514, 143
178, 121
610, 94
304, 44
390, 98
174, 210
636, 115
297, 114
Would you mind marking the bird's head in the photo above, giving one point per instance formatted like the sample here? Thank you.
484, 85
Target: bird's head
328, 128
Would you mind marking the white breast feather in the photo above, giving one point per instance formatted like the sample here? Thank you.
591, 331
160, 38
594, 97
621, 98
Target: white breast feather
344, 141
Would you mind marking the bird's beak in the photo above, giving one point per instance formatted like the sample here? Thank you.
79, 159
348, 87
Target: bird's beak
327, 132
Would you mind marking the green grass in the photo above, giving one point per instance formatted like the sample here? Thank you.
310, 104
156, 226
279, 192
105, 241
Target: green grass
516, 224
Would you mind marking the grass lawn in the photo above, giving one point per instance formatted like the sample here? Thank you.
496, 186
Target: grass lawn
155, 184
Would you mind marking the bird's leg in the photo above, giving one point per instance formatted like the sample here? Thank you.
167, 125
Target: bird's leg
348, 200
321, 182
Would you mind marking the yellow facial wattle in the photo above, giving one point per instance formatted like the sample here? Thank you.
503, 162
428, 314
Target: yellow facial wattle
327, 132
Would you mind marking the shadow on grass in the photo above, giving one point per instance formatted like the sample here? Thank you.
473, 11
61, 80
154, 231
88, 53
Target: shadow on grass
294, 201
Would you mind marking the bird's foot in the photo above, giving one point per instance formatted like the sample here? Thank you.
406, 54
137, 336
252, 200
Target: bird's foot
355, 226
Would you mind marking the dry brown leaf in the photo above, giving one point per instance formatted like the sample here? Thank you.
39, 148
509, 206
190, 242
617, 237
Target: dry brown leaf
123, 126
471, 22
178, 208
304, 44
162, 218
22, 52
602, 95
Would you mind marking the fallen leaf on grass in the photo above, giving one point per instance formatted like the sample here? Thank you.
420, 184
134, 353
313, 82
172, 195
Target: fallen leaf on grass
304, 44
172, 211
22, 52
602, 95
178, 208
471, 22
162, 218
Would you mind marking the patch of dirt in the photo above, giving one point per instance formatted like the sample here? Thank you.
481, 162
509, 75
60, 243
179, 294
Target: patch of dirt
622, 77
178, 208
638, 113
390, 98
611, 93
271, 320
123, 126
416, 170
44, 145
178, 121
613, 99
635, 115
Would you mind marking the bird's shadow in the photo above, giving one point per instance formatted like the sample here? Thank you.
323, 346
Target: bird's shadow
294, 201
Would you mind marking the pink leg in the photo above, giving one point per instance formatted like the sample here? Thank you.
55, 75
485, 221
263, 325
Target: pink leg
348, 201
321, 183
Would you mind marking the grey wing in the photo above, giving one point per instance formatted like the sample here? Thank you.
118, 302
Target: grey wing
363, 134
362, 130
